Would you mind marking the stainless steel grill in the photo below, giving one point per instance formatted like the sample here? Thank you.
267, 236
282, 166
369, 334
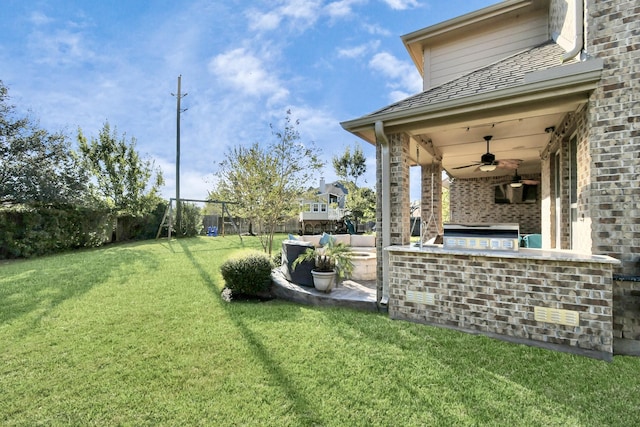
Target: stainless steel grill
484, 237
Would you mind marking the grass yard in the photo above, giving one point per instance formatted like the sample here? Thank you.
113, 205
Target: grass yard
138, 334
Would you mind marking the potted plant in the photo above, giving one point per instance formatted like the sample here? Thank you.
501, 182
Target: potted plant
331, 260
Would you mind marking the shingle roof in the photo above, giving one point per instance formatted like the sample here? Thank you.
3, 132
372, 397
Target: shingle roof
503, 74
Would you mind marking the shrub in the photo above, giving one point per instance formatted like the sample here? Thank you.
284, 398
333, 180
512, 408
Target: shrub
191, 220
35, 230
277, 258
248, 273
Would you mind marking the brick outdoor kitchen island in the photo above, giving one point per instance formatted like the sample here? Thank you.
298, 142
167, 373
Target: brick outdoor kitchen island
552, 299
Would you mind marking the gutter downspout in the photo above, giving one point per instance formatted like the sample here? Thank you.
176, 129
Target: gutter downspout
381, 138
578, 42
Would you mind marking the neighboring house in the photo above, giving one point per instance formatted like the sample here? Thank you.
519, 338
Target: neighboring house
555, 84
325, 211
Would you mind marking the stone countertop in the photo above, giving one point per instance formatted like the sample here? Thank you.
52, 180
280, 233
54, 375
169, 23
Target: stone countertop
626, 278
522, 253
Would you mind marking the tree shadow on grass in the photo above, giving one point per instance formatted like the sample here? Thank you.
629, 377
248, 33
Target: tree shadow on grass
491, 376
203, 244
36, 287
302, 407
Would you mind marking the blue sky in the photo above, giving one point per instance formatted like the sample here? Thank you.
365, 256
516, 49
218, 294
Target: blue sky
243, 65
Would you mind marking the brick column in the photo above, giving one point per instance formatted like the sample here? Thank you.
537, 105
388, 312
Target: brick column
400, 197
614, 118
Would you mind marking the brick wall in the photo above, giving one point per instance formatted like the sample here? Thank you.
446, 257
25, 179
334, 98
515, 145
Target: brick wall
614, 122
626, 317
473, 201
561, 23
496, 295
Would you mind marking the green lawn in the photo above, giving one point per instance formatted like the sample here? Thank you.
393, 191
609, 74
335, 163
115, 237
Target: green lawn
137, 334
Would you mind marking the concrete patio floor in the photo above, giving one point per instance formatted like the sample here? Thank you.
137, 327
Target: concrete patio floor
359, 295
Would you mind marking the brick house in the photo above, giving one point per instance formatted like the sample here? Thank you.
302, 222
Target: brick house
549, 91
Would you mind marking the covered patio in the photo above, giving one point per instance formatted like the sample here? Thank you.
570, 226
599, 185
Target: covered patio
517, 122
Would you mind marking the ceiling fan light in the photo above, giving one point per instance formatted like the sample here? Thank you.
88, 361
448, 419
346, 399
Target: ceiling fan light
516, 184
487, 168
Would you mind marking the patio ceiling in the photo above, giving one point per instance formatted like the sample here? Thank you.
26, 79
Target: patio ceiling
462, 143
520, 131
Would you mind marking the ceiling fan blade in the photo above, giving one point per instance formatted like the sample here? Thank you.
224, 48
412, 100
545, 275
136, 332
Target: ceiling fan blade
529, 181
467, 166
508, 163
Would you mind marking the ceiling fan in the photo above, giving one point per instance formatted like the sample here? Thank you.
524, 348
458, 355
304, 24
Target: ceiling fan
517, 181
489, 163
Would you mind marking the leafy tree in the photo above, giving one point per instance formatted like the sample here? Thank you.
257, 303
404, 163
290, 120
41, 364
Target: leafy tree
122, 179
35, 165
446, 209
350, 165
267, 182
360, 202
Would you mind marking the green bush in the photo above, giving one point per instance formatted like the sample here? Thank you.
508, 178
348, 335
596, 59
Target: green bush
34, 230
191, 220
277, 258
248, 273
142, 227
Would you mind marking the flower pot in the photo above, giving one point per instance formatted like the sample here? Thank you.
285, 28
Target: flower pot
323, 280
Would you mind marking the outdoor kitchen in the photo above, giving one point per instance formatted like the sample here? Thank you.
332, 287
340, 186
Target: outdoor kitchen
480, 280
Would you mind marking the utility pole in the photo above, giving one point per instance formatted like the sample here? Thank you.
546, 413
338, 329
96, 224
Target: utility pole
179, 96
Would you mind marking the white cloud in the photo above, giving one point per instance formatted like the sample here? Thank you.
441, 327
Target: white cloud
402, 4
299, 14
61, 47
193, 184
359, 51
322, 127
398, 95
246, 73
263, 21
301, 10
377, 30
342, 8
39, 18
405, 79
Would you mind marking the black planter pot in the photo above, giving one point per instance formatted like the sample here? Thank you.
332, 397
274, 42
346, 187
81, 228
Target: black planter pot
291, 249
